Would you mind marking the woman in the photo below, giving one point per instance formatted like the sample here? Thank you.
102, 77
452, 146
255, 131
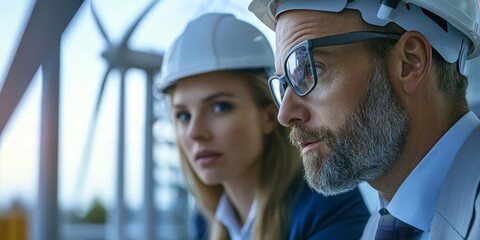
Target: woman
244, 174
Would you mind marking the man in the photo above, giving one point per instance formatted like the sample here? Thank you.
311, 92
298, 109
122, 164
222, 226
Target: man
375, 91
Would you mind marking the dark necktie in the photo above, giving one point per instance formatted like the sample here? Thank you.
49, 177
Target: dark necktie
390, 228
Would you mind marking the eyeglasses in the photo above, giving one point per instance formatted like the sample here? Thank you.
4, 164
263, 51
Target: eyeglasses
300, 70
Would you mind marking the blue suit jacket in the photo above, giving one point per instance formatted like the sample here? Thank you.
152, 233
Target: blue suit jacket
314, 216
340, 217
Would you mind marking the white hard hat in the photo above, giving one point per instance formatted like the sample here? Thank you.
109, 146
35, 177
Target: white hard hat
214, 42
451, 26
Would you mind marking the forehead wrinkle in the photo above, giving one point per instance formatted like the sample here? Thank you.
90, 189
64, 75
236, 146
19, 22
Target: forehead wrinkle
299, 25
296, 38
302, 30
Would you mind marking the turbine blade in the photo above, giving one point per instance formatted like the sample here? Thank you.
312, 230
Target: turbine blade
132, 28
99, 23
89, 139
45, 26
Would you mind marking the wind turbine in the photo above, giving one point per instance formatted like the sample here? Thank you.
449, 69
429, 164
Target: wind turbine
121, 57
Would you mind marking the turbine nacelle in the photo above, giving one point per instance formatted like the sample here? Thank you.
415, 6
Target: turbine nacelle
125, 58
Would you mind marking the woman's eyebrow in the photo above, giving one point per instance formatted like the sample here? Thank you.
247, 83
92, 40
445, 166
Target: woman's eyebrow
207, 99
217, 95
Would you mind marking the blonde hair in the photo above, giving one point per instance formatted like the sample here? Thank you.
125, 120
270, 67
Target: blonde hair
281, 165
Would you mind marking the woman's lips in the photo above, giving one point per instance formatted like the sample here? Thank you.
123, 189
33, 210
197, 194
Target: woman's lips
207, 158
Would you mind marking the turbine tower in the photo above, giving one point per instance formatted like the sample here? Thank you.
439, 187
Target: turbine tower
122, 58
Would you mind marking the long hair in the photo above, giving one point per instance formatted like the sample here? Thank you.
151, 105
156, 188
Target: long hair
280, 166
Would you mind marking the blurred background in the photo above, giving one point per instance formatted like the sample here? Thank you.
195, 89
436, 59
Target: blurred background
109, 177
89, 174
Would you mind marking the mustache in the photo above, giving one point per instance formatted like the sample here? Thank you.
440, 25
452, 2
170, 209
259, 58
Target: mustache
299, 135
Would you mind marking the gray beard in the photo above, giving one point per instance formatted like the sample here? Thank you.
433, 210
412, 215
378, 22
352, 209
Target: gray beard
365, 147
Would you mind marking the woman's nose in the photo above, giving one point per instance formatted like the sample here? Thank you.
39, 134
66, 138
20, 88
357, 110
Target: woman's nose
198, 129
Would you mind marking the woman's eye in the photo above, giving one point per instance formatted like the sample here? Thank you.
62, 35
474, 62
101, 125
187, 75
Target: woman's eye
222, 107
182, 116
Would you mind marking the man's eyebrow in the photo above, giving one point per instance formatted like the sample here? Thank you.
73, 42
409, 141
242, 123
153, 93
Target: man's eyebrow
315, 51
321, 51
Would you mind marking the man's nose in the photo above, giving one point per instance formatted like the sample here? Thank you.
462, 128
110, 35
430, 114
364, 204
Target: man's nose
292, 109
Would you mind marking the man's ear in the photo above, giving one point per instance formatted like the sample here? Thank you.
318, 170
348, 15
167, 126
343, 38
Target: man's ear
414, 58
270, 118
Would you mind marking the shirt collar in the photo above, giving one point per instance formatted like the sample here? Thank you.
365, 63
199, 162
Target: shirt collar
225, 213
416, 199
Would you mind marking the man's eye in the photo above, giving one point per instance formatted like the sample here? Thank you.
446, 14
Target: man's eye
222, 107
318, 70
183, 116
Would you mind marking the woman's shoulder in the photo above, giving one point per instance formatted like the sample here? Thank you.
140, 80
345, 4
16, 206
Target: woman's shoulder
317, 216
308, 198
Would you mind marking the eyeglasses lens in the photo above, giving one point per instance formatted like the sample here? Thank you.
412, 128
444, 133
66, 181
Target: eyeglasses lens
299, 70
277, 88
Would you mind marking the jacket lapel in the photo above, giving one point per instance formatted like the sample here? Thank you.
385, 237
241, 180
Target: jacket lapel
456, 203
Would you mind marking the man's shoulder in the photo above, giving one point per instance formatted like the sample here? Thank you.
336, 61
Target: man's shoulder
467, 158
456, 205
464, 175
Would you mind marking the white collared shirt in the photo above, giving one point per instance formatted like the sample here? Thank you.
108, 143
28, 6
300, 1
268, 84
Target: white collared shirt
416, 199
225, 213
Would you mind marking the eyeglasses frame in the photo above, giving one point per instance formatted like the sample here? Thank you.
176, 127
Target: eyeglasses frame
310, 44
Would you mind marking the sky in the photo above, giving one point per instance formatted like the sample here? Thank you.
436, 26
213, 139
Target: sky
81, 71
